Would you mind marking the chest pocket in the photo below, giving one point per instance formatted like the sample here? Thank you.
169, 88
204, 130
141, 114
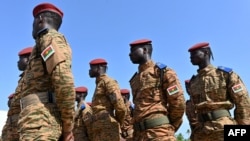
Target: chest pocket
151, 89
215, 87
100, 96
35, 68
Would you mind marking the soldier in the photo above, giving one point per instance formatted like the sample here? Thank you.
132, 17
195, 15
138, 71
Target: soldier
157, 96
7, 126
213, 92
107, 104
11, 133
82, 126
127, 127
48, 94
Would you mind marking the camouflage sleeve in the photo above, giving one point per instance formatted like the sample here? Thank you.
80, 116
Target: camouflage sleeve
62, 80
240, 98
87, 122
116, 99
175, 98
190, 113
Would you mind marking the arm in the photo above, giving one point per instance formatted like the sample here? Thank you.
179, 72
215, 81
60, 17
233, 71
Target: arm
175, 98
240, 98
116, 99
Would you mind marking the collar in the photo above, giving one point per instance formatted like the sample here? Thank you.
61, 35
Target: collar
45, 31
99, 78
148, 64
206, 69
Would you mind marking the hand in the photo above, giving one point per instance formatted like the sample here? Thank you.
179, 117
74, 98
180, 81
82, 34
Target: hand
68, 136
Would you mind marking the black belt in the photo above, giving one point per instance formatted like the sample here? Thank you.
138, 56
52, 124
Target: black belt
214, 115
151, 123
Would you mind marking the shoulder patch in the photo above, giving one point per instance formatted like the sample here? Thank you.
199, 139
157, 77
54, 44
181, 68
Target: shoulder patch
133, 77
172, 90
160, 65
237, 88
225, 69
47, 52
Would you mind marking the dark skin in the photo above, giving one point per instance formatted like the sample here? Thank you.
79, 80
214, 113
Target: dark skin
80, 96
23, 62
125, 97
40, 23
97, 70
200, 57
139, 55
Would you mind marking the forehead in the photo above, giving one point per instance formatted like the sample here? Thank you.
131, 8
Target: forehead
136, 48
196, 51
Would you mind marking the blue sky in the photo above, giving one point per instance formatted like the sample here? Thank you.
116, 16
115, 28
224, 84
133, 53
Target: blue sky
104, 29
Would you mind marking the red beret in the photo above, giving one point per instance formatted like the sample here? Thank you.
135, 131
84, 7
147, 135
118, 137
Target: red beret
25, 51
198, 46
81, 89
125, 91
187, 81
98, 61
140, 42
46, 7
11, 96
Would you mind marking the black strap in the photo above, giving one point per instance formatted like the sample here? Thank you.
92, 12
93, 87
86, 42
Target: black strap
151, 123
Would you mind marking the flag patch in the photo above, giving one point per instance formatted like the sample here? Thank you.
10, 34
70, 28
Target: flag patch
172, 90
237, 88
47, 52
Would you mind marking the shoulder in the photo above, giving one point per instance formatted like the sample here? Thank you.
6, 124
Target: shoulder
132, 78
225, 69
107, 80
160, 65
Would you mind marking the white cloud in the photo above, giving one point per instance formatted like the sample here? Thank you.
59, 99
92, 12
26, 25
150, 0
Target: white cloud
3, 117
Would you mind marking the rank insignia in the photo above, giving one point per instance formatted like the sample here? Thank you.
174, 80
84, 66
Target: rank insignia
172, 90
237, 88
47, 52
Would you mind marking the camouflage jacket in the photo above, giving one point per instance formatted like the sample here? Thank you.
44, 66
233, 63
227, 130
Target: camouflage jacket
153, 94
49, 69
219, 88
107, 97
82, 124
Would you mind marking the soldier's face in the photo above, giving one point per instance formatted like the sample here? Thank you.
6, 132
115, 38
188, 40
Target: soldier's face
78, 96
93, 71
197, 57
136, 55
22, 62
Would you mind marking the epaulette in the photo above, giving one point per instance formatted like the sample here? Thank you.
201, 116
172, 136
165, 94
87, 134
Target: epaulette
133, 77
160, 65
83, 106
225, 69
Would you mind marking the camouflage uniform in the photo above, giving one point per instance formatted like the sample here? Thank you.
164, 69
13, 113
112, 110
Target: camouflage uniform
83, 121
127, 127
108, 109
13, 114
191, 116
48, 95
213, 92
159, 103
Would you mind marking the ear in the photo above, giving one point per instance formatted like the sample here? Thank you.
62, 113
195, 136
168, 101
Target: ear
145, 50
